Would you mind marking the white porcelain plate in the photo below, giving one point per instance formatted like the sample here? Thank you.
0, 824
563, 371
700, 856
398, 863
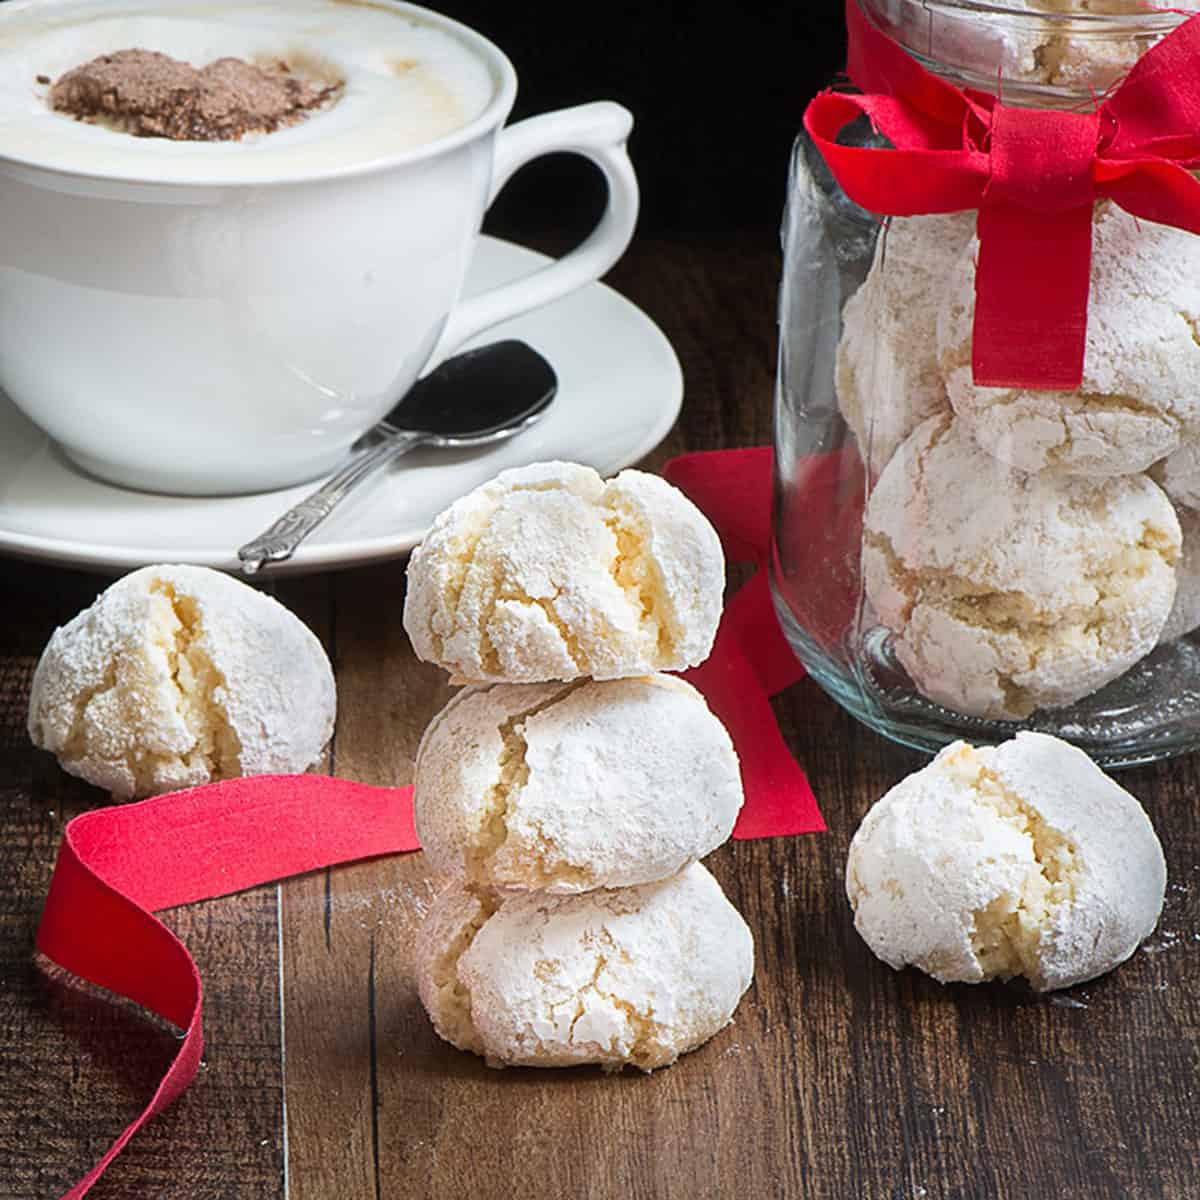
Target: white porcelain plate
619, 393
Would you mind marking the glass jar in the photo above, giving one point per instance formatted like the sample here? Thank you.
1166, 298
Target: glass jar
952, 561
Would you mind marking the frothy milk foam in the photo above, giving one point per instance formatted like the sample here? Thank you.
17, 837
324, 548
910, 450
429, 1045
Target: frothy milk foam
407, 83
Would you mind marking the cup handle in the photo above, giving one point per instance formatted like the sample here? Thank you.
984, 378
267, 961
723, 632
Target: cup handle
597, 131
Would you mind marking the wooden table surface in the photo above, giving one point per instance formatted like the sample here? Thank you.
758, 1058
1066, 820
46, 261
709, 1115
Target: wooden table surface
840, 1078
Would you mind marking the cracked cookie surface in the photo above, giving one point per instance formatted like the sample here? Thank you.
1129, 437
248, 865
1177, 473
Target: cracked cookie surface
1140, 392
636, 976
888, 378
1020, 859
178, 676
1009, 592
571, 787
550, 573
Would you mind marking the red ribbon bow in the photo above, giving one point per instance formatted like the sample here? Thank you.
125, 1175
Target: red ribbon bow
1033, 174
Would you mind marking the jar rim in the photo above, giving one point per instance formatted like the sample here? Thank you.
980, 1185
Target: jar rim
1117, 22
1031, 56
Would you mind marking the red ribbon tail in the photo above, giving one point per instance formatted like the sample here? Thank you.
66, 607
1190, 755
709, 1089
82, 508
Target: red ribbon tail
117, 863
96, 933
1031, 273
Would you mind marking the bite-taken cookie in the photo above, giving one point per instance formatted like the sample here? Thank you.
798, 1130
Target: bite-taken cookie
567, 787
1141, 370
1023, 859
178, 676
888, 378
639, 975
550, 573
1009, 592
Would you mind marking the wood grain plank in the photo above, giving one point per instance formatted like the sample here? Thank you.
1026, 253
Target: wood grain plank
341, 927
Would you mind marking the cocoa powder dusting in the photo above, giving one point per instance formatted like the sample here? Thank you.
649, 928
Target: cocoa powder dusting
149, 94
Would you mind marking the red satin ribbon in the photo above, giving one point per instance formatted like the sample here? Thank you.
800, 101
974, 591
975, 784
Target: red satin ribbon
118, 865
1034, 175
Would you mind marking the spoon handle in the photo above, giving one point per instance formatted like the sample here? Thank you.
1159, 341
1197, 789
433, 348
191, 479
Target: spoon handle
279, 541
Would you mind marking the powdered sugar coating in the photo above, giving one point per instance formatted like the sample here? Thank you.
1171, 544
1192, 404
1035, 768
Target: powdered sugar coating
1010, 592
550, 573
888, 378
571, 787
1021, 859
639, 975
1141, 375
177, 676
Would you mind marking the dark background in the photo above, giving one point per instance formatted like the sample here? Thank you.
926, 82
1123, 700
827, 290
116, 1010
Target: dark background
717, 92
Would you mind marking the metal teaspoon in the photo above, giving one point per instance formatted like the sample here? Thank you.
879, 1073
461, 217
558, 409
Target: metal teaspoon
473, 399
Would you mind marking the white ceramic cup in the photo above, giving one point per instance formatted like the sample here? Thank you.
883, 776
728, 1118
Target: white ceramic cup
222, 337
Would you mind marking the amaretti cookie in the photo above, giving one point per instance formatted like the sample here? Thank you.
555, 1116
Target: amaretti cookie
1010, 592
1023, 859
178, 676
551, 573
888, 378
567, 787
640, 975
1141, 373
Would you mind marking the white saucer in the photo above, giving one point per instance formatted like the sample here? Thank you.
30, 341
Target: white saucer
619, 393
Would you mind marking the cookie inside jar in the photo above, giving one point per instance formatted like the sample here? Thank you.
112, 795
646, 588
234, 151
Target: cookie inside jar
1012, 548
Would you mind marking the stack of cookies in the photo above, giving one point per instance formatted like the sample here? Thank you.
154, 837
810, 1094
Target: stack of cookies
569, 791
1027, 547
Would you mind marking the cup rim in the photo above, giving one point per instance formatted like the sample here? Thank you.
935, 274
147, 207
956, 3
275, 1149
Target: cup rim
492, 116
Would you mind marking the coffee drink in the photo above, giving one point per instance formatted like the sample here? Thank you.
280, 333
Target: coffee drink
154, 95
251, 221
366, 81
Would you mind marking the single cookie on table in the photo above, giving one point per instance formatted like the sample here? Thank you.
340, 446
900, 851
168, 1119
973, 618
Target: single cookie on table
567, 787
549, 573
639, 975
1009, 592
1023, 859
178, 676
1141, 371
888, 378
